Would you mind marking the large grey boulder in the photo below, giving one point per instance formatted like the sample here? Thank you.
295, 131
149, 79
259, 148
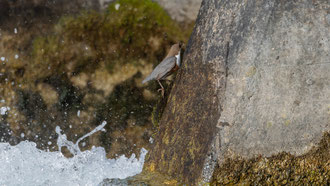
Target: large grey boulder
255, 80
277, 93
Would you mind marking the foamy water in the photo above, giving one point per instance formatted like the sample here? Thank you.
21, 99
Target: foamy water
24, 164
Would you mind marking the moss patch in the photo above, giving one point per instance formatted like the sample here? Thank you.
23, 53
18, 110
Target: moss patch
281, 169
70, 66
135, 30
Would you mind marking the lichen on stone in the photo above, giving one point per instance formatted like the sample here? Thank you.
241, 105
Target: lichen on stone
281, 169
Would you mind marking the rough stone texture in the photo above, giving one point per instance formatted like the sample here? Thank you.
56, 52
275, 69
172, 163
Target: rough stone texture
256, 70
181, 10
188, 125
311, 168
278, 85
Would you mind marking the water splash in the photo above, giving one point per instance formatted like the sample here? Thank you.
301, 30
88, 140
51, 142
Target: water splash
74, 148
24, 164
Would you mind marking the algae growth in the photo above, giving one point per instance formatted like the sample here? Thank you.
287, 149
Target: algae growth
137, 30
86, 68
312, 168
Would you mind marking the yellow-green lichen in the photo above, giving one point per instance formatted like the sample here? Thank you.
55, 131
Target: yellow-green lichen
269, 124
251, 71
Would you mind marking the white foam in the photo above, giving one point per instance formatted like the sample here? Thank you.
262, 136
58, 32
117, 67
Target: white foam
24, 164
4, 110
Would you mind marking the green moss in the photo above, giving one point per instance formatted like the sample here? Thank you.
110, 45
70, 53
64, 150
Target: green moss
281, 169
46, 56
137, 31
54, 55
125, 102
124, 35
124, 109
157, 112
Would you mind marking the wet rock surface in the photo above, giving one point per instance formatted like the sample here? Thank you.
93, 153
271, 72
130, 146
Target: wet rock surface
264, 64
283, 168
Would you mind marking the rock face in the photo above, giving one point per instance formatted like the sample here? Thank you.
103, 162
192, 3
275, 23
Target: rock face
181, 10
278, 90
255, 80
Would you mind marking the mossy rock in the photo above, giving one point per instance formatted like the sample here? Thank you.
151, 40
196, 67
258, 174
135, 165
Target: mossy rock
159, 107
127, 32
134, 33
137, 30
284, 168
